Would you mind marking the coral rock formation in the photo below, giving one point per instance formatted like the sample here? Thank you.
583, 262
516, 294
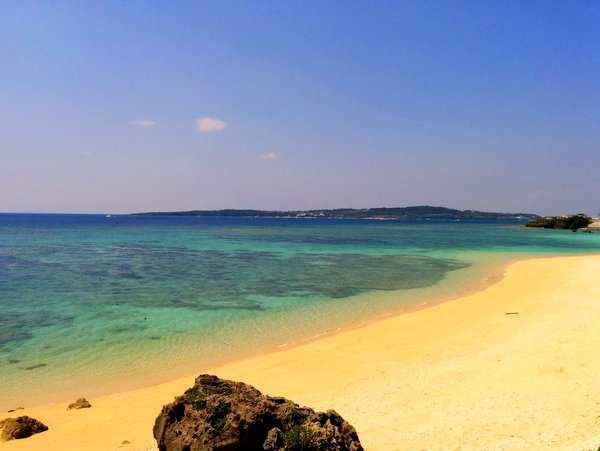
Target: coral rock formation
217, 414
20, 427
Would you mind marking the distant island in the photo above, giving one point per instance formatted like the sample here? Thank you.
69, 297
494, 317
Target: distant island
383, 213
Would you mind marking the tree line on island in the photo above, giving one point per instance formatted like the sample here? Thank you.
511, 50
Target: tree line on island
573, 222
382, 213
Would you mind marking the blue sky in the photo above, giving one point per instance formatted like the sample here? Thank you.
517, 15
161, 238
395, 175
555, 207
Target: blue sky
130, 106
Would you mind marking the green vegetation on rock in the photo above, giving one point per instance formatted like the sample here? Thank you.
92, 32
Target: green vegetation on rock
562, 222
194, 397
219, 415
304, 438
298, 417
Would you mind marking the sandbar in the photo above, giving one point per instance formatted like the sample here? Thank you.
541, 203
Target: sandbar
515, 366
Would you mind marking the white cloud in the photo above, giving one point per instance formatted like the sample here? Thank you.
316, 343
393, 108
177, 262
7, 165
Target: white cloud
268, 156
144, 123
210, 124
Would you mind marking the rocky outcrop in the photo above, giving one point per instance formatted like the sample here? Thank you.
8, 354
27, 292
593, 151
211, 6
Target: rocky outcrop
81, 403
20, 427
218, 414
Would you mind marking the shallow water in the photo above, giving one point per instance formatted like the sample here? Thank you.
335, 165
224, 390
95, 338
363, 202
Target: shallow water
89, 301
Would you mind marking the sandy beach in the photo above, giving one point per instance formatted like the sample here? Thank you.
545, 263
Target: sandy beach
512, 367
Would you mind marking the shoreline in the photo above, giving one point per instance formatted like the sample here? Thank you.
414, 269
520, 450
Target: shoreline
358, 311
400, 380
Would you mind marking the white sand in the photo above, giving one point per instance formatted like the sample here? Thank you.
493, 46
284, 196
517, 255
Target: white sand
515, 367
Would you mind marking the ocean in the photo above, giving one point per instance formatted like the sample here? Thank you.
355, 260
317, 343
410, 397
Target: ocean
91, 304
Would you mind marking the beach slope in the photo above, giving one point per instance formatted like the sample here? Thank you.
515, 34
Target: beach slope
512, 367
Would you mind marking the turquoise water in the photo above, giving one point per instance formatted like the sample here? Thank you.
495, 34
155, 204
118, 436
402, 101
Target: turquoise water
89, 301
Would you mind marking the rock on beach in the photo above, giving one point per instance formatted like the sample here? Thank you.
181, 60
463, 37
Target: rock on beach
20, 427
217, 414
